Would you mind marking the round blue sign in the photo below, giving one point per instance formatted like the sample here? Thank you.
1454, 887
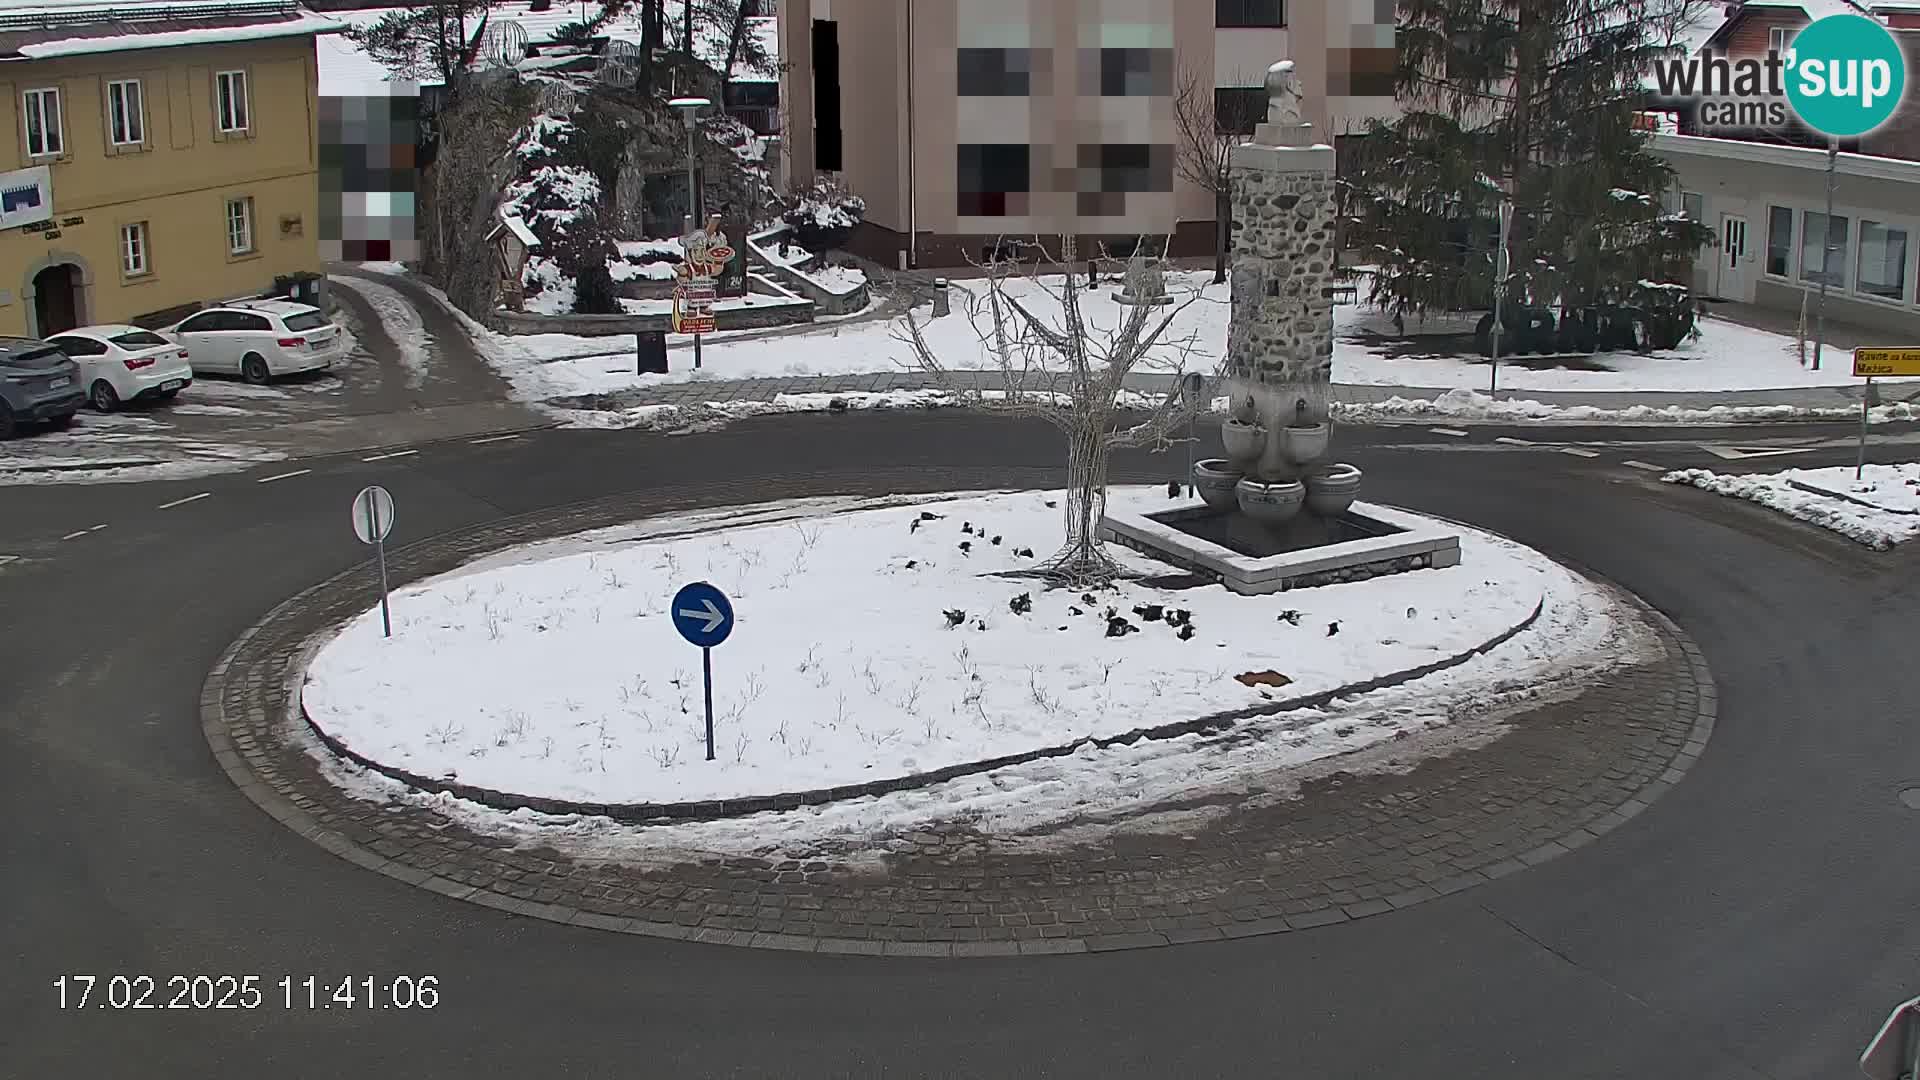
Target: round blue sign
1848, 75
702, 614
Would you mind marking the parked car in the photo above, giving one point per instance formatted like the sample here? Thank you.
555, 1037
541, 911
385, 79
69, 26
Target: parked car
37, 383
259, 339
125, 363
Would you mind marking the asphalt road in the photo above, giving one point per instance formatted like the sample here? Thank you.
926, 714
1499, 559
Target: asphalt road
1755, 922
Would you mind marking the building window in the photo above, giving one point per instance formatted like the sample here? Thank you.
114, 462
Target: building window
1237, 110
1823, 249
995, 72
45, 136
1883, 261
1777, 40
133, 249
1136, 72
1114, 167
1694, 206
1249, 13
126, 118
240, 226
994, 179
230, 94
827, 148
1779, 239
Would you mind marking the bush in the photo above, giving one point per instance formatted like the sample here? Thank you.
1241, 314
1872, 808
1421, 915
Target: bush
583, 254
824, 216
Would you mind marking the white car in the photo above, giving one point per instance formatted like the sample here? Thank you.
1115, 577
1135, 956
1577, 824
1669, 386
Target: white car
259, 339
125, 363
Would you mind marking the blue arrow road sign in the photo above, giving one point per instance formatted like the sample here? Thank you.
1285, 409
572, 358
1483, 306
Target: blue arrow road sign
702, 614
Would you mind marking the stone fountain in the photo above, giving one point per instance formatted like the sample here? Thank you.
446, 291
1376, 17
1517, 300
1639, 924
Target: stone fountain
1274, 512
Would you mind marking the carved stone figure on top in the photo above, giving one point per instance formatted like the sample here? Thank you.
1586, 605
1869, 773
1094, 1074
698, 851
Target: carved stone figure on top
1283, 95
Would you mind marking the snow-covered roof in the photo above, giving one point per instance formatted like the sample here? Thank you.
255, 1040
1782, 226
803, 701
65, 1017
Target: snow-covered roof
48, 28
514, 224
1813, 9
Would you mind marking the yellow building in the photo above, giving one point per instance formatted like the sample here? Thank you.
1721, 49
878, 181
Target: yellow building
162, 157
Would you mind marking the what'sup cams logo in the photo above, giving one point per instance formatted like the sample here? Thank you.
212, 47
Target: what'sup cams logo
1843, 76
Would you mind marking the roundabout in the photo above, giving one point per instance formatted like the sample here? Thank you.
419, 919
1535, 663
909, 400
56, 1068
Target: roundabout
1738, 922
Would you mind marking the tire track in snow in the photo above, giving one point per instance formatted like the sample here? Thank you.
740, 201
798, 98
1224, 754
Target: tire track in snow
402, 324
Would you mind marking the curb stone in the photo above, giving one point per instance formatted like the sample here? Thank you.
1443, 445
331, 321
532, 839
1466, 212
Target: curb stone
233, 731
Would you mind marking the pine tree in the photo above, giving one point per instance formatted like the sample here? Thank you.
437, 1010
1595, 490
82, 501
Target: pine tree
1533, 100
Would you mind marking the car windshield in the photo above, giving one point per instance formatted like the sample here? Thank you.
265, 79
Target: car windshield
305, 320
34, 359
138, 339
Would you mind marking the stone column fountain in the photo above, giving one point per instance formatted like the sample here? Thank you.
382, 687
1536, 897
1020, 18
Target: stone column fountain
1280, 340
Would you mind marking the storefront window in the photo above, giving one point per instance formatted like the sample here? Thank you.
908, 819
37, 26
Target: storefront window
1823, 249
1883, 261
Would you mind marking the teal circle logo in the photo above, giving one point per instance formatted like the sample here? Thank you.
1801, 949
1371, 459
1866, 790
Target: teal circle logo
1845, 75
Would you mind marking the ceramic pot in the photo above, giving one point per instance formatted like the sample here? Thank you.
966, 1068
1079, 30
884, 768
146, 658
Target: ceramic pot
1331, 489
1270, 504
1214, 479
1304, 444
1244, 442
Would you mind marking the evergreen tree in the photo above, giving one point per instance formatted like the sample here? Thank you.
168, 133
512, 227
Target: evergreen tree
1533, 100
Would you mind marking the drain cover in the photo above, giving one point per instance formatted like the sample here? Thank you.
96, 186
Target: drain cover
1911, 797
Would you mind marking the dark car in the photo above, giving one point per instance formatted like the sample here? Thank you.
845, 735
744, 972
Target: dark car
38, 382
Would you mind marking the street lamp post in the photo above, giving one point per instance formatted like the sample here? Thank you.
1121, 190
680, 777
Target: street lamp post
689, 108
1826, 257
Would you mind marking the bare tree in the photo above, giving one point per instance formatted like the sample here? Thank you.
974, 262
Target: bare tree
1206, 129
1072, 372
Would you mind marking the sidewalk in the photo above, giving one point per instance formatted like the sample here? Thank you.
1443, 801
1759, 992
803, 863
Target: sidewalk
730, 390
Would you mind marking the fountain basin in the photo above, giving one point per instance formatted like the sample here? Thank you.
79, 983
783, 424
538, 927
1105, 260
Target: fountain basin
1304, 444
1244, 442
1214, 480
1331, 489
1270, 503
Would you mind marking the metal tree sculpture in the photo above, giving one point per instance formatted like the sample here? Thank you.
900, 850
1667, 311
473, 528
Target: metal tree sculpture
1072, 372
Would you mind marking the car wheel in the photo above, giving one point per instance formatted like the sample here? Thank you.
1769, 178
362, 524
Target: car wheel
103, 397
7, 426
254, 369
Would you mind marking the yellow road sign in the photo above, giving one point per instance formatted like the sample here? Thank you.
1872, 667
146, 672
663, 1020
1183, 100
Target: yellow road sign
1886, 361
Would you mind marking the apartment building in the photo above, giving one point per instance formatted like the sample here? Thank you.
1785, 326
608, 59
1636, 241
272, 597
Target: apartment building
163, 156
960, 122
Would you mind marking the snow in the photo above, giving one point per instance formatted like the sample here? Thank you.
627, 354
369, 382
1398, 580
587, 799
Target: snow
1470, 405
563, 676
300, 25
401, 321
1880, 509
345, 70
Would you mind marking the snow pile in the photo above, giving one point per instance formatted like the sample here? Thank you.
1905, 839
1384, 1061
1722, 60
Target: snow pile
565, 677
838, 280
1471, 405
649, 260
1880, 509
841, 213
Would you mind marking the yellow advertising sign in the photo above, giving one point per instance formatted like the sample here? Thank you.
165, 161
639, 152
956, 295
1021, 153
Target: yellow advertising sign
1886, 361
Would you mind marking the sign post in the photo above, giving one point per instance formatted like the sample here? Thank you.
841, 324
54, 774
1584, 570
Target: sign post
372, 521
1192, 386
707, 256
1500, 270
1894, 1054
704, 616
1868, 363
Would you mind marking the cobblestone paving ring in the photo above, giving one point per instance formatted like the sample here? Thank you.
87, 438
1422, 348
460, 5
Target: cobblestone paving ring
1348, 847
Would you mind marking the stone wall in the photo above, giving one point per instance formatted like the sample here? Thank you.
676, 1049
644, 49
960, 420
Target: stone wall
754, 318
1281, 335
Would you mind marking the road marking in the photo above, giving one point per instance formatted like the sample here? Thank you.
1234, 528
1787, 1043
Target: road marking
283, 476
76, 534
1515, 442
499, 438
5, 559
1577, 452
1643, 466
1740, 453
395, 454
185, 501
1455, 432
97, 528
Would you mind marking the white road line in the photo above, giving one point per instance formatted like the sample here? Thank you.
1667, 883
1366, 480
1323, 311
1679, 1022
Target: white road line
5, 559
1577, 452
395, 454
1515, 442
75, 535
1455, 432
283, 476
185, 501
1643, 466
98, 527
498, 438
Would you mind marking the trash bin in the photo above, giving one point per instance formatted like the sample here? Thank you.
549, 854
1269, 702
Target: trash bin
941, 304
651, 348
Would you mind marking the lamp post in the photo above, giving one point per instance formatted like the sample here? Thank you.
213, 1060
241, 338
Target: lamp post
689, 109
1826, 257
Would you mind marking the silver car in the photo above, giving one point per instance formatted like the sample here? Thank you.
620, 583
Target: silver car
38, 383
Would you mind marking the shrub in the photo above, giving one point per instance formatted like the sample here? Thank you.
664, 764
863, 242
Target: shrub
824, 216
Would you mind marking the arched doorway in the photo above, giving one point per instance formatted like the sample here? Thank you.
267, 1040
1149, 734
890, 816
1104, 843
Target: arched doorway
56, 299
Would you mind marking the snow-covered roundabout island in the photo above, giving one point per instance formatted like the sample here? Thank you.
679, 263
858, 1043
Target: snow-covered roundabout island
881, 640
